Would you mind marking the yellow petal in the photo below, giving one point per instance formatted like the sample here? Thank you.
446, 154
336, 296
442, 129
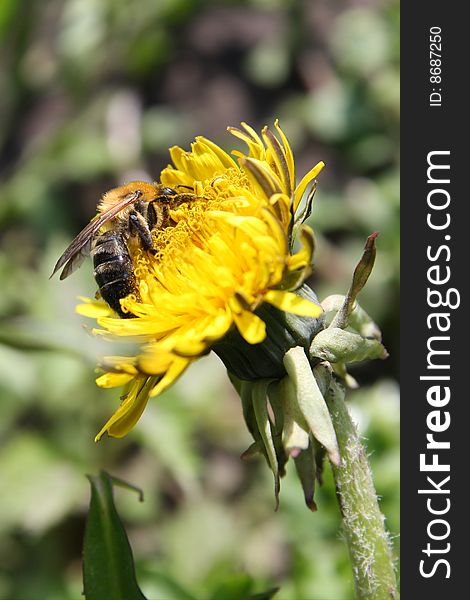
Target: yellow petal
289, 302
173, 178
287, 150
225, 159
204, 162
306, 179
277, 155
119, 364
195, 341
277, 231
255, 146
304, 256
250, 326
176, 154
261, 176
252, 132
155, 362
111, 380
281, 207
94, 308
130, 409
188, 348
176, 370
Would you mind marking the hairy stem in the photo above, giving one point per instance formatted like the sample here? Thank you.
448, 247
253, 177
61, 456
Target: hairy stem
363, 523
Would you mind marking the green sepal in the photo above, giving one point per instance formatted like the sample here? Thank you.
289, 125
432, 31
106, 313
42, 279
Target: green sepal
250, 362
245, 391
323, 373
320, 454
306, 468
358, 319
310, 401
295, 436
267, 438
347, 379
252, 451
275, 400
260, 406
337, 345
108, 566
360, 276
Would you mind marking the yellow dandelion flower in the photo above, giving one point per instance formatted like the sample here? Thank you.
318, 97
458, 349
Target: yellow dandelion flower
222, 276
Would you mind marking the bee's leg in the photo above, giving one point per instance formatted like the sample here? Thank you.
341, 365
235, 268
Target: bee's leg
139, 226
154, 217
158, 214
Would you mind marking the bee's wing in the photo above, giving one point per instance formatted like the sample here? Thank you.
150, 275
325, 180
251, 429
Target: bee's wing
76, 260
74, 255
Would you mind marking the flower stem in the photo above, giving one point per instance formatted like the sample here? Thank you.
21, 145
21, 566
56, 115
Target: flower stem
363, 523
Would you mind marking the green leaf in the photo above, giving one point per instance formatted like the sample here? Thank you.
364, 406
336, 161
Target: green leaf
267, 595
239, 587
108, 566
167, 587
235, 587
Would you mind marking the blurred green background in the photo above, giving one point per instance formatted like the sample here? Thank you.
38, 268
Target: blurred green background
92, 94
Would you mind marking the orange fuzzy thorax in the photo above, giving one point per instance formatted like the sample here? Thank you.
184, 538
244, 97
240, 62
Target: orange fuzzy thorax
149, 192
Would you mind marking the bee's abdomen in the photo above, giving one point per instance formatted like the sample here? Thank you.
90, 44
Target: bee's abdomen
113, 269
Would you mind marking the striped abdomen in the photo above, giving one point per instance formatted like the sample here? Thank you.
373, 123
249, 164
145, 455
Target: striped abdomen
113, 269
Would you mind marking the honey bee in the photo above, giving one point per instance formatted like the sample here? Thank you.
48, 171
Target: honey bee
130, 212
